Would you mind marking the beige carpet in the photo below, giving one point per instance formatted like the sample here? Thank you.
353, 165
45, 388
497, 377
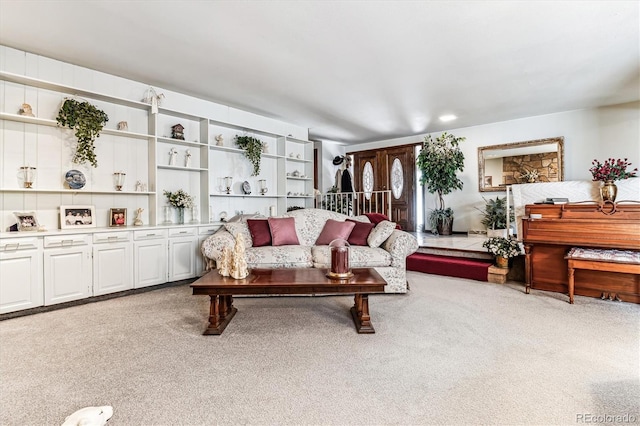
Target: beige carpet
451, 351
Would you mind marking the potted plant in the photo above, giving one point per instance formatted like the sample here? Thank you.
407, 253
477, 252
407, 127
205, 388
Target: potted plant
252, 150
87, 121
439, 162
180, 200
608, 173
494, 217
503, 249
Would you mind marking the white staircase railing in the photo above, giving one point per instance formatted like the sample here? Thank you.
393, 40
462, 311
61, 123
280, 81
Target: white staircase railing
356, 203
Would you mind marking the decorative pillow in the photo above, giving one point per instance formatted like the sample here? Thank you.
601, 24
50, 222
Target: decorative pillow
376, 218
380, 233
260, 232
236, 228
283, 231
334, 229
360, 233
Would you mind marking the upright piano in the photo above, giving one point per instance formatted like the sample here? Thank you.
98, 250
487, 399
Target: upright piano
555, 229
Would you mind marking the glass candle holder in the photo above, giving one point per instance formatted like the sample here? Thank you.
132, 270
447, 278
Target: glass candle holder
263, 186
228, 181
118, 180
339, 268
168, 213
28, 176
195, 214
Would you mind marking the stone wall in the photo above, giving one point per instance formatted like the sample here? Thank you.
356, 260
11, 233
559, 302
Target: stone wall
546, 164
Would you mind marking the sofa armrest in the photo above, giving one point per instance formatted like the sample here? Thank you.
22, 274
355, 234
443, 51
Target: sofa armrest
400, 245
212, 247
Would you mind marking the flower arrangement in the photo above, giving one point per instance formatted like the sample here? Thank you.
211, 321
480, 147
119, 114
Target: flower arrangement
529, 176
611, 170
503, 247
179, 199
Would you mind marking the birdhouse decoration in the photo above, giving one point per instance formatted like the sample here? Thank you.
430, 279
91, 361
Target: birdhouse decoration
177, 132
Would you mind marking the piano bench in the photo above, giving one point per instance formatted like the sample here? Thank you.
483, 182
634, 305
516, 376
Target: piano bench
608, 260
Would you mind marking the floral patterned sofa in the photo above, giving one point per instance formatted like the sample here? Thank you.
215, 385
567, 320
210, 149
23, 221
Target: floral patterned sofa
389, 259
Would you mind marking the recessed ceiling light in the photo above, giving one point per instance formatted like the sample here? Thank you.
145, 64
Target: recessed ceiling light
448, 117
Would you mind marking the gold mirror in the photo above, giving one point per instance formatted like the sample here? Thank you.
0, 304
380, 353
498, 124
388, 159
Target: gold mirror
540, 160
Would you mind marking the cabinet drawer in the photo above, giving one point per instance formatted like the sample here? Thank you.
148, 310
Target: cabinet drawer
182, 232
13, 244
208, 230
150, 234
67, 240
111, 237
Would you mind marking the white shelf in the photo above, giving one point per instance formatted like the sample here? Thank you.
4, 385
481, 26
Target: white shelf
298, 178
240, 151
35, 82
247, 195
299, 196
180, 142
296, 140
76, 191
182, 169
298, 160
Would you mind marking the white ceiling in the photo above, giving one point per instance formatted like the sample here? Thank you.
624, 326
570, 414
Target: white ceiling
352, 71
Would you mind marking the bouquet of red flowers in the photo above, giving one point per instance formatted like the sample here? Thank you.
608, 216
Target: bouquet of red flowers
611, 170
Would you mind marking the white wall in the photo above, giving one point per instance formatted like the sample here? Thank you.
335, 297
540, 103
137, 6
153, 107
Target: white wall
611, 131
328, 150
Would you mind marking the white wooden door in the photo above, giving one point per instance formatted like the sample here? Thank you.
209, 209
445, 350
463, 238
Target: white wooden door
182, 258
20, 274
150, 262
67, 274
112, 267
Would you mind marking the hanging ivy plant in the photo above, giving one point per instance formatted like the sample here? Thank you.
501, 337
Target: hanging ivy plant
252, 150
87, 121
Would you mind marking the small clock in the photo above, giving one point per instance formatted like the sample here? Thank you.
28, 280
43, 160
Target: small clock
246, 188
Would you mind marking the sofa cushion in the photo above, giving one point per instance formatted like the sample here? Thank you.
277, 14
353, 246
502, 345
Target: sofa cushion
279, 257
334, 229
260, 232
309, 223
359, 257
376, 218
283, 231
380, 233
360, 233
240, 228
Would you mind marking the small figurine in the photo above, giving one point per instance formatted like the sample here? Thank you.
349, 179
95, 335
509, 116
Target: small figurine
26, 110
177, 132
138, 185
187, 159
138, 220
225, 262
123, 125
239, 269
219, 140
173, 154
265, 148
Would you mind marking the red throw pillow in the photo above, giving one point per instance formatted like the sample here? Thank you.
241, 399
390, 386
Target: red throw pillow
283, 231
360, 233
260, 232
376, 218
334, 229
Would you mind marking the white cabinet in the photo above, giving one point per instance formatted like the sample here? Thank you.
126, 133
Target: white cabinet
20, 274
67, 268
183, 244
112, 262
149, 257
203, 233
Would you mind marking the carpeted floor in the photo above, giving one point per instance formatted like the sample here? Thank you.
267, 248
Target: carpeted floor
451, 351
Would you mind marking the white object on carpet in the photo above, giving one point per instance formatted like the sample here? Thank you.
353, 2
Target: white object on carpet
90, 416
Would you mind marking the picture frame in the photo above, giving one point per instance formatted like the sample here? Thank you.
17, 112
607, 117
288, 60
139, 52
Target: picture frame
488, 181
27, 221
75, 217
117, 217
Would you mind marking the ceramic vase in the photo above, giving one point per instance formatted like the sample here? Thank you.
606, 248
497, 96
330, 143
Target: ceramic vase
608, 191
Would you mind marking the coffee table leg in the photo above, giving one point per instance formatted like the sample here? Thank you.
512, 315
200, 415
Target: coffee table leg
221, 311
360, 314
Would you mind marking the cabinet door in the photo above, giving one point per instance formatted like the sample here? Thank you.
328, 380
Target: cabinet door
182, 258
67, 274
112, 268
150, 262
20, 280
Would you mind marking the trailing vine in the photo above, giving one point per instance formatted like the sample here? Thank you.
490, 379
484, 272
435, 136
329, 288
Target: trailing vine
87, 121
252, 150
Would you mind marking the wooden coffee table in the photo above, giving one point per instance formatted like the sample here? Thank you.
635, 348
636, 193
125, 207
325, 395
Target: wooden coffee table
287, 281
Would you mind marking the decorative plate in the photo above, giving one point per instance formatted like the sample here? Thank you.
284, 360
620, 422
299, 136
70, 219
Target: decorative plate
75, 179
246, 188
223, 216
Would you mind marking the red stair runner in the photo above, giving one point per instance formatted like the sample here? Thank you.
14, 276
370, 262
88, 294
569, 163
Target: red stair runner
474, 269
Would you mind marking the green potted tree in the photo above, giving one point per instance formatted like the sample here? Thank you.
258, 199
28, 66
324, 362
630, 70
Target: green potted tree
439, 161
494, 217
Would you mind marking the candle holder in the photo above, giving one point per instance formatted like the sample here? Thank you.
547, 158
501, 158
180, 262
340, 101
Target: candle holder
118, 179
263, 186
167, 215
228, 181
28, 176
339, 268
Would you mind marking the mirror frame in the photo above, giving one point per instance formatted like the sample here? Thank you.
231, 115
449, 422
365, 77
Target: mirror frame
559, 141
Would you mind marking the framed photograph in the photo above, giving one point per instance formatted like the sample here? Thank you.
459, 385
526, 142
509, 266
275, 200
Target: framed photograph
117, 217
72, 217
27, 221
